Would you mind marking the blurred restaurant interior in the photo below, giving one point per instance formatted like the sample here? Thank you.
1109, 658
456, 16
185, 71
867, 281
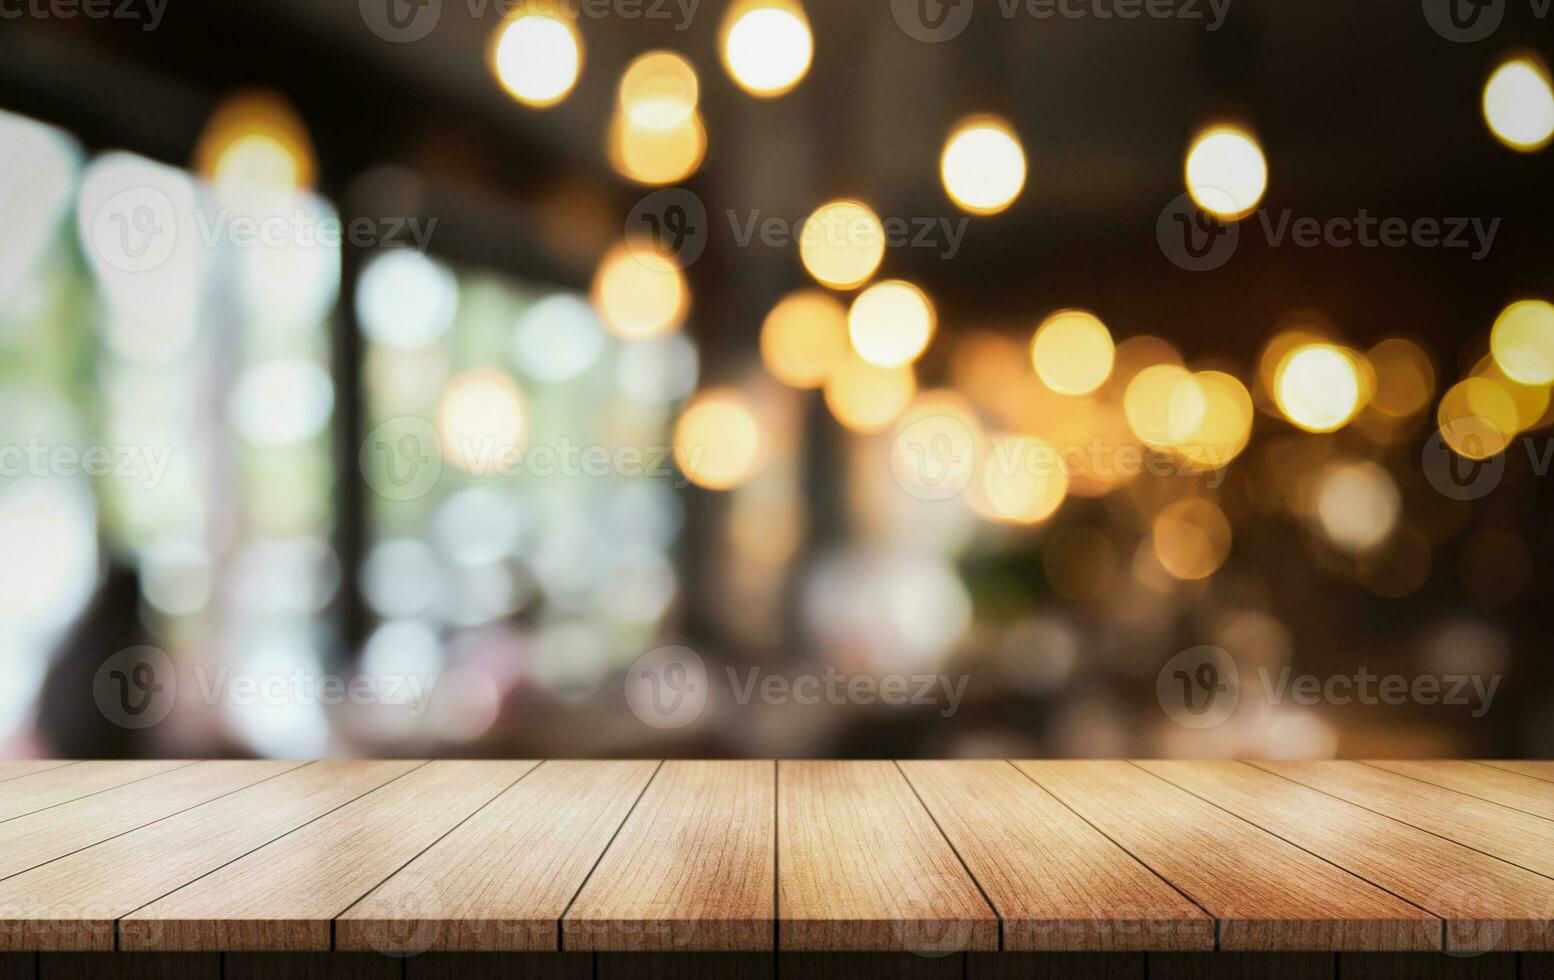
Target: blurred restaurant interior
752, 327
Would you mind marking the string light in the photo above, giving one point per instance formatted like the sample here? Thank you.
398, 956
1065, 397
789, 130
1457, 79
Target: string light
1519, 104
983, 165
1317, 387
766, 45
1226, 172
1072, 352
537, 55
890, 323
842, 243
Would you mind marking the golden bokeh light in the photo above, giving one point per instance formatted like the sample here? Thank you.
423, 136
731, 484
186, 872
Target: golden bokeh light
537, 55
891, 322
656, 155
717, 441
1164, 405
1210, 418
1531, 401
983, 165
1405, 378
1226, 172
1519, 104
804, 338
639, 293
766, 45
1522, 341
842, 243
659, 90
1317, 387
936, 445
865, 397
480, 419
255, 139
1358, 505
1191, 539
1477, 418
1072, 352
1023, 480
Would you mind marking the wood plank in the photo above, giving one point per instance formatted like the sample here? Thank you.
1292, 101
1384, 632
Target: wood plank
17, 768
1243, 966
121, 966
1415, 966
693, 869
546, 832
874, 966
861, 866
29, 841
1487, 903
1536, 768
310, 966
1268, 894
42, 790
284, 896
1510, 789
1056, 966
685, 966
1056, 882
500, 966
1489, 827
71, 903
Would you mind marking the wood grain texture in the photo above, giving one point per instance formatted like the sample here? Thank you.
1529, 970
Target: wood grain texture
1489, 827
500, 966
1510, 789
72, 903
1056, 882
1487, 903
862, 867
17, 768
693, 869
1536, 768
685, 966
1056, 966
121, 966
51, 787
284, 895
1268, 894
29, 841
502, 879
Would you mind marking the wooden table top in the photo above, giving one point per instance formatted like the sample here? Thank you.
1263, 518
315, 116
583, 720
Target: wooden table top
406, 856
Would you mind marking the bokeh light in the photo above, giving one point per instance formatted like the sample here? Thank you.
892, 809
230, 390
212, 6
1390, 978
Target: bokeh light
842, 243
537, 56
804, 338
639, 292
1477, 418
1405, 378
1522, 341
659, 90
1191, 538
656, 155
1226, 172
1023, 480
983, 165
481, 419
405, 300
1358, 505
766, 45
890, 323
865, 397
1072, 351
1317, 387
1519, 104
1163, 405
1209, 417
255, 140
717, 441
